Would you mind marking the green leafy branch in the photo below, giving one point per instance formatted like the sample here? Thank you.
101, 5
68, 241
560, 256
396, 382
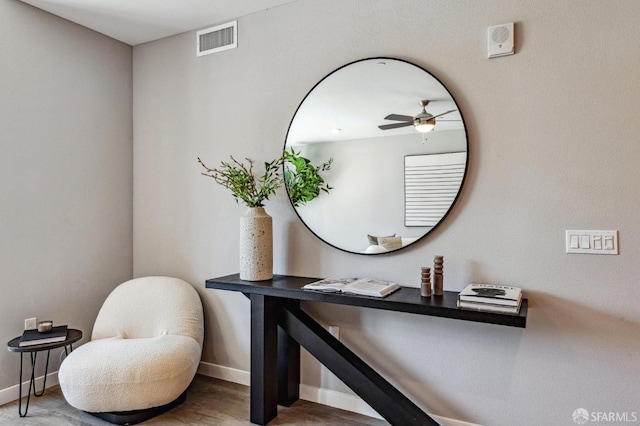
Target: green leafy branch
242, 182
301, 178
303, 181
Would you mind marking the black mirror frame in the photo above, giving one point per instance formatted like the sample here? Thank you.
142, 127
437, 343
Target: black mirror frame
453, 203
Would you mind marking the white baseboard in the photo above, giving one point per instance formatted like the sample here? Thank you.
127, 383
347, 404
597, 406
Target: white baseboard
225, 373
335, 399
331, 398
445, 421
10, 394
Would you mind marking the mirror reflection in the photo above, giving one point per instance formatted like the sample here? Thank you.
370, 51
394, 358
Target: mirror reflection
398, 146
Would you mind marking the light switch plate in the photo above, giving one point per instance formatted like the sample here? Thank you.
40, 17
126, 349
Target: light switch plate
592, 242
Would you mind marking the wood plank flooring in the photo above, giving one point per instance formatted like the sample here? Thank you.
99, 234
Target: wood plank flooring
209, 402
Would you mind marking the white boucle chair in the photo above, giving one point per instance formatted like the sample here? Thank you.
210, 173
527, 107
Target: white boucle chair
144, 352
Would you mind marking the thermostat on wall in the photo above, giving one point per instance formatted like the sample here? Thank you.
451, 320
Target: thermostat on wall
500, 40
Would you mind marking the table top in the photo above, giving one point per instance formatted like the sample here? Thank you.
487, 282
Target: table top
407, 299
73, 335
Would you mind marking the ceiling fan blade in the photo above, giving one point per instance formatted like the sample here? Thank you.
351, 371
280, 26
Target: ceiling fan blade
398, 117
444, 113
395, 125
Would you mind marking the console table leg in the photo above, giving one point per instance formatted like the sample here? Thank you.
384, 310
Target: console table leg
383, 397
288, 369
264, 359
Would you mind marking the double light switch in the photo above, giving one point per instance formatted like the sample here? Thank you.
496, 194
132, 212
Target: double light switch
593, 242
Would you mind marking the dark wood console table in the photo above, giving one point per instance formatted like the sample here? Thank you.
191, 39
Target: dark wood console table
279, 327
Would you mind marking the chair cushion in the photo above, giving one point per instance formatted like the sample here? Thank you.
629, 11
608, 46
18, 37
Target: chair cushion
150, 307
117, 374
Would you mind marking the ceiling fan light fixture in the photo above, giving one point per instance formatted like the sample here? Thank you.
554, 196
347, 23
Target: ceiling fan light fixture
424, 122
425, 126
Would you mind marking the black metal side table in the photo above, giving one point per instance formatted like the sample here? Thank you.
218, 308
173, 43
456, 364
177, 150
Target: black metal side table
73, 336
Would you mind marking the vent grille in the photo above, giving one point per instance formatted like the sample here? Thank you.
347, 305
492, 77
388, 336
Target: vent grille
217, 39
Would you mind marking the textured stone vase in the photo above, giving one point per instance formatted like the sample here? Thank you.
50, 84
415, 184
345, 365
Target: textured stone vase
256, 245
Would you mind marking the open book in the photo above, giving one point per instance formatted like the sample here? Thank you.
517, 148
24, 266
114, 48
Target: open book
361, 286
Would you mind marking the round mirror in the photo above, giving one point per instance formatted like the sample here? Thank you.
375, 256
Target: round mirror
398, 147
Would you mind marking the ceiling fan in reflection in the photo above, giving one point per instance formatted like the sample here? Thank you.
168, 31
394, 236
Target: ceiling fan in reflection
423, 122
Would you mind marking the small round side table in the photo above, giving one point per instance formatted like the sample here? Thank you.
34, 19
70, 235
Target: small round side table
13, 345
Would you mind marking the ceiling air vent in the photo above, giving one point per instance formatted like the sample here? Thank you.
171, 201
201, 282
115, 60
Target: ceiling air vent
217, 39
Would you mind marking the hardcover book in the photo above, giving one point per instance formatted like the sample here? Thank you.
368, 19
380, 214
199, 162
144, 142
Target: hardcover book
492, 294
488, 307
34, 337
362, 286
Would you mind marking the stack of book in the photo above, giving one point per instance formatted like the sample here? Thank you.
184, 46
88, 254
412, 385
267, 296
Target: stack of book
491, 298
34, 337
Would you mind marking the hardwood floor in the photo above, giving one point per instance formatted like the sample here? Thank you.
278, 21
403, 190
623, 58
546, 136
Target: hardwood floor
209, 402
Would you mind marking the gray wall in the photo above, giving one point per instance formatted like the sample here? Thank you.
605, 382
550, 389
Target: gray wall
65, 174
553, 146
553, 138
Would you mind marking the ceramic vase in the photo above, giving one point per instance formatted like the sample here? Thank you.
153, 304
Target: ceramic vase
256, 245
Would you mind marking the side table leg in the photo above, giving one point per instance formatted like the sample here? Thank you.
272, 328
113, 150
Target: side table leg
32, 381
68, 349
26, 408
44, 381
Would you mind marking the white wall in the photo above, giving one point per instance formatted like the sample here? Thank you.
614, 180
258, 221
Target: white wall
65, 175
553, 145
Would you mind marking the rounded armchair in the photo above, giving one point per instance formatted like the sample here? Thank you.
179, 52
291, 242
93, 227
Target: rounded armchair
144, 351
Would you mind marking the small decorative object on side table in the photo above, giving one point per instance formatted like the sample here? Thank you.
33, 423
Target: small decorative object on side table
13, 345
438, 282
425, 282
